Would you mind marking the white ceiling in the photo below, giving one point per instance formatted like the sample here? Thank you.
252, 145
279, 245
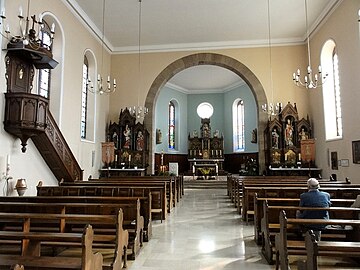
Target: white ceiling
172, 25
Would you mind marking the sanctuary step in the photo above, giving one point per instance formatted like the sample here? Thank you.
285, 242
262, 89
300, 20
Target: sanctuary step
190, 183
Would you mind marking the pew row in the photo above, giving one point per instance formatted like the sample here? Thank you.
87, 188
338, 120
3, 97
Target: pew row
31, 245
270, 224
132, 221
108, 232
348, 192
282, 202
97, 203
285, 247
316, 248
177, 182
109, 191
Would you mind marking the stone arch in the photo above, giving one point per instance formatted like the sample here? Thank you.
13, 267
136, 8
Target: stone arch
207, 59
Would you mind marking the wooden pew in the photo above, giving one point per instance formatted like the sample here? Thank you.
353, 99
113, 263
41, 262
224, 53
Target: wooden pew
176, 181
316, 248
284, 247
31, 256
348, 192
235, 184
132, 221
74, 201
109, 233
106, 191
135, 182
270, 224
259, 209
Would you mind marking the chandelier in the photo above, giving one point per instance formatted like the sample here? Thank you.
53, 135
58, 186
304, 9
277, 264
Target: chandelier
311, 79
139, 111
107, 87
271, 108
30, 37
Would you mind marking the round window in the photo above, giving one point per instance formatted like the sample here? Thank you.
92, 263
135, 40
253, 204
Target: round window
205, 110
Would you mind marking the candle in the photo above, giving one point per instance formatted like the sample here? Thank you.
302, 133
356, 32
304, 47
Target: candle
20, 11
299, 156
7, 160
53, 28
216, 168
116, 157
3, 13
193, 169
129, 158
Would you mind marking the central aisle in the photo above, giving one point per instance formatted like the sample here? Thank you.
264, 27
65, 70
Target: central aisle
204, 231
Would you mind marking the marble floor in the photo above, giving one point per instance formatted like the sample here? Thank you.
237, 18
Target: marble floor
205, 232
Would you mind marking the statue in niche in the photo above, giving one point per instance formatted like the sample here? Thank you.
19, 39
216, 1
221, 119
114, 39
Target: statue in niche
140, 141
289, 131
275, 139
127, 135
303, 135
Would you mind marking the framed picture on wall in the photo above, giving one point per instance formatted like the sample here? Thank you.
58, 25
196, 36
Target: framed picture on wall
334, 161
356, 152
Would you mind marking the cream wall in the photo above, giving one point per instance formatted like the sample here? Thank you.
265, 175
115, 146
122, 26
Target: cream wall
77, 39
343, 28
124, 67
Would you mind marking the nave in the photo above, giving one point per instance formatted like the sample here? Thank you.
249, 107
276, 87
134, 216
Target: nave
204, 231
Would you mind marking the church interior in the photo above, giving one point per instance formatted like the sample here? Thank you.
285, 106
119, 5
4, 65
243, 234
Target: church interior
164, 118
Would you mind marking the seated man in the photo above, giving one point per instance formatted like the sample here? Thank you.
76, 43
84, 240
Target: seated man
314, 198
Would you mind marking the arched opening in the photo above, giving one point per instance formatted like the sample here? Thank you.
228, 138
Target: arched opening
207, 59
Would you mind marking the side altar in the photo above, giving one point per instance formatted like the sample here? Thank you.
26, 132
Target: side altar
289, 145
206, 151
126, 151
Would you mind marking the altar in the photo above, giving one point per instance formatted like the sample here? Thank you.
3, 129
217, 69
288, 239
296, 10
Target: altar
206, 167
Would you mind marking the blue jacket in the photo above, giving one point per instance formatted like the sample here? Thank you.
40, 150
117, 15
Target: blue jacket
315, 198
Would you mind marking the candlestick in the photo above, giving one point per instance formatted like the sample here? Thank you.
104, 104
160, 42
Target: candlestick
129, 158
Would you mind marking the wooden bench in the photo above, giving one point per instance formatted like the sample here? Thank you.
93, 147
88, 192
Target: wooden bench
106, 191
259, 209
236, 184
74, 201
109, 233
347, 192
31, 246
316, 248
135, 182
176, 181
132, 221
270, 224
285, 247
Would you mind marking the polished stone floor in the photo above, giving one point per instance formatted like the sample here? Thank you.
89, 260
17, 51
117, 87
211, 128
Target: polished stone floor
205, 232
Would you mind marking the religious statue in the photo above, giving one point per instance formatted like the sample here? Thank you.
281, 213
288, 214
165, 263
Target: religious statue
140, 141
127, 134
289, 130
275, 139
303, 135
115, 139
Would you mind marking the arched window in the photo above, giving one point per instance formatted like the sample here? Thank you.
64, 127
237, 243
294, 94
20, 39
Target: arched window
84, 97
88, 99
238, 125
45, 74
331, 92
172, 125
